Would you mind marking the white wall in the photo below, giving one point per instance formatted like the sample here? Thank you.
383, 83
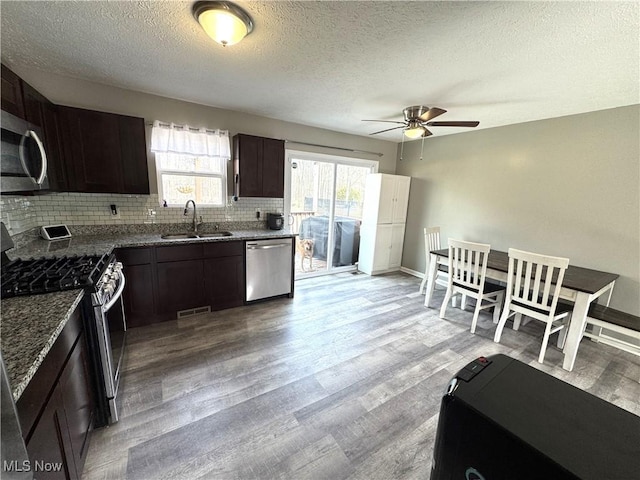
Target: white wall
566, 186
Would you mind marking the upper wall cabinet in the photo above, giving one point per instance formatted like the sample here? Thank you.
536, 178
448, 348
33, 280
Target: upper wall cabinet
12, 93
258, 166
104, 152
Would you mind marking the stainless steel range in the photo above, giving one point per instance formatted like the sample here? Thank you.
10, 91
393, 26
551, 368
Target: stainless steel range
103, 280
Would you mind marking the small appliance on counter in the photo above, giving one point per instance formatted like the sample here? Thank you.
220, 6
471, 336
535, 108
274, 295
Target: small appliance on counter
275, 221
501, 419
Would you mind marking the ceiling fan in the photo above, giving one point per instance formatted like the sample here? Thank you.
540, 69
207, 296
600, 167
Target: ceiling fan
418, 118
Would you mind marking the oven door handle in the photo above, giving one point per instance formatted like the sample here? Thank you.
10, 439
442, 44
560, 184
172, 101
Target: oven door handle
116, 296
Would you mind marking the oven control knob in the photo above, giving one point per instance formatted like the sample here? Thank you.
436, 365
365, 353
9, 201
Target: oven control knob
117, 267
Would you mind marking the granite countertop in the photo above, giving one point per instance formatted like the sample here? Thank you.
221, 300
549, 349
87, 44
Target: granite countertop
30, 327
105, 243
31, 324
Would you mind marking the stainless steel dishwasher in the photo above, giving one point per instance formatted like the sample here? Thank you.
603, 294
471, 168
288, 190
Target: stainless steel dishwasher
269, 268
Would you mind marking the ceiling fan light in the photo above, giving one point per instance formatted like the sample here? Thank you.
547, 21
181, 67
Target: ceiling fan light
414, 132
225, 22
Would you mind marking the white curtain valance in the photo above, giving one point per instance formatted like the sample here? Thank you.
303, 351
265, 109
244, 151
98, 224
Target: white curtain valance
169, 137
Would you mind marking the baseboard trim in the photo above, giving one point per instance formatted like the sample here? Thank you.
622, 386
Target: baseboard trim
415, 273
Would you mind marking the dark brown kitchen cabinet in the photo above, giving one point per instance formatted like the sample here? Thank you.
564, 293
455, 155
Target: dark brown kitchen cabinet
50, 444
258, 165
12, 101
164, 280
224, 274
104, 152
180, 275
139, 294
56, 410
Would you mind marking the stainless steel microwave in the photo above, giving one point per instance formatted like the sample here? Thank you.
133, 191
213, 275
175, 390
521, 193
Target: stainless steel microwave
23, 166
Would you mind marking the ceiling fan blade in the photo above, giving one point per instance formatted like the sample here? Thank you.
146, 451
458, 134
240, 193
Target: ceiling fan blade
453, 124
387, 130
383, 121
426, 133
433, 112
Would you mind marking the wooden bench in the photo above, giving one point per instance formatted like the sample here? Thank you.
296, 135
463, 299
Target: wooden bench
623, 324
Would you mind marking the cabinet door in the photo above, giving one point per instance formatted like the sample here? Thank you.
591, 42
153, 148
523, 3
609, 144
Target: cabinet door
397, 240
92, 150
224, 282
387, 199
401, 199
133, 154
273, 168
248, 165
49, 444
12, 93
139, 295
180, 286
78, 402
382, 247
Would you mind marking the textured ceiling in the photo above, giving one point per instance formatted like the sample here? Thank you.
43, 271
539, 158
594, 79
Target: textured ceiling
332, 64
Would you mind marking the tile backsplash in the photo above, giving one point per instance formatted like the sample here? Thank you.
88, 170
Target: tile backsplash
21, 214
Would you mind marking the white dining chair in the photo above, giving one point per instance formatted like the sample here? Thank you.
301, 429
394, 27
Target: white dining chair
533, 287
431, 243
467, 271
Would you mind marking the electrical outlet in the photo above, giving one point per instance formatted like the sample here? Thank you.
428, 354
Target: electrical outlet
258, 213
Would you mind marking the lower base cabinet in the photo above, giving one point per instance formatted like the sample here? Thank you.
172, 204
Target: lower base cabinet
56, 416
164, 280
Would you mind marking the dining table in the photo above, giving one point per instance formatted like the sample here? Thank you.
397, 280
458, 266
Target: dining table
581, 286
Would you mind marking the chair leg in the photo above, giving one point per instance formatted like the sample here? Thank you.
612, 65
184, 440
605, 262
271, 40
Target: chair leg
545, 341
476, 312
463, 302
562, 334
501, 323
496, 307
447, 297
423, 283
516, 321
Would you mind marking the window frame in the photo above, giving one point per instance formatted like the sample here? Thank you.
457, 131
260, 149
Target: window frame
186, 173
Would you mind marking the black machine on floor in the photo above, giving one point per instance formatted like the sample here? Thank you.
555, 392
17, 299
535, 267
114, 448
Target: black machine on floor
501, 419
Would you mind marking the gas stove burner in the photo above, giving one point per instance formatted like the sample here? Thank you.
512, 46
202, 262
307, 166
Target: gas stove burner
45, 275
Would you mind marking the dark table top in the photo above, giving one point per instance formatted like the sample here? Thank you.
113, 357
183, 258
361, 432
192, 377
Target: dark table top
575, 278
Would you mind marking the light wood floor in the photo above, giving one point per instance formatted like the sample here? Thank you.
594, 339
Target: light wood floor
343, 381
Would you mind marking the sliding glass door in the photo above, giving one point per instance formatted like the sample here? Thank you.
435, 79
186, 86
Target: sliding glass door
324, 206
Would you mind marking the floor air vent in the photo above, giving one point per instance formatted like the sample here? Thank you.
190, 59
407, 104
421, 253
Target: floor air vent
194, 311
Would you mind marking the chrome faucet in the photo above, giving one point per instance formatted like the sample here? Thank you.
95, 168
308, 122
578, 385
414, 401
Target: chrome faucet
195, 218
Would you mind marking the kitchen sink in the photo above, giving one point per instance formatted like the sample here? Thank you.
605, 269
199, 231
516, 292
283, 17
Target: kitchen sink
179, 236
215, 234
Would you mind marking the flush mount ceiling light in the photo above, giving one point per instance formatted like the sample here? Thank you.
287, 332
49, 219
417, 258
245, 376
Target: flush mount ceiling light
225, 22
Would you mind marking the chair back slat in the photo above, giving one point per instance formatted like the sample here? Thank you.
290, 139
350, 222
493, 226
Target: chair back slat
468, 264
432, 239
535, 280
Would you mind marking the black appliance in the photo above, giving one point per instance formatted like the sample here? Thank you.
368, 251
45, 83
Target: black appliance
275, 221
23, 164
501, 419
346, 238
105, 325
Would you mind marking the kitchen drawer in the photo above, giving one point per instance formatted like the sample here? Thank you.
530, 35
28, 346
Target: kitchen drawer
177, 253
223, 249
134, 256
